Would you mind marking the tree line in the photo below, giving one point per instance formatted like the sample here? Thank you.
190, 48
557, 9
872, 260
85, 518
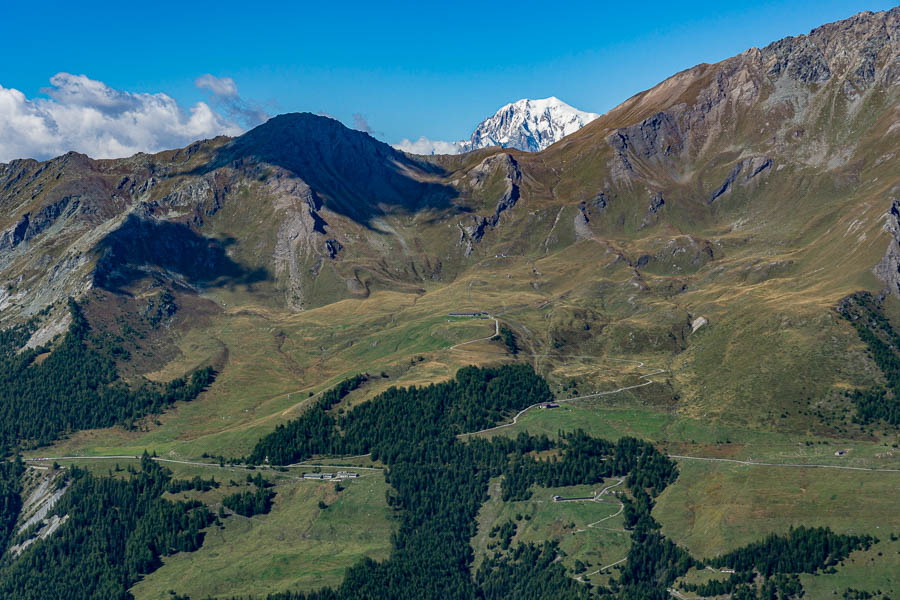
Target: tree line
867, 316
475, 399
249, 503
74, 387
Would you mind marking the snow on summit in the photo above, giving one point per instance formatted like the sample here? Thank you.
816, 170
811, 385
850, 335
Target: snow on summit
529, 125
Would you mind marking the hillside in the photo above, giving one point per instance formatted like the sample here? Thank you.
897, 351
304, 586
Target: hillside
751, 192
699, 267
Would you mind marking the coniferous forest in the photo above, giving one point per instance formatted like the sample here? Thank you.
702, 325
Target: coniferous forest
75, 387
440, 482
10, 498
119, 529
115, 531
875, 330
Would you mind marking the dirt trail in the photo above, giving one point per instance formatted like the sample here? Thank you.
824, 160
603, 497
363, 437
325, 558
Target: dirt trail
584, 397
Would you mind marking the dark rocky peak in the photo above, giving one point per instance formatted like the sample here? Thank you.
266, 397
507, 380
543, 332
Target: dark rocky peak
354, 174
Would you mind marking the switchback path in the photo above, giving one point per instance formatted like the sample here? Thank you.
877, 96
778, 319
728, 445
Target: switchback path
580, 578
584, 397
484, 339
596, 498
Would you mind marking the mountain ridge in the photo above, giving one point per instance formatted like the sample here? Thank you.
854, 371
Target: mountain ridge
736, 174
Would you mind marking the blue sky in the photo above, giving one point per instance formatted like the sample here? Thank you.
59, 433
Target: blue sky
412, 69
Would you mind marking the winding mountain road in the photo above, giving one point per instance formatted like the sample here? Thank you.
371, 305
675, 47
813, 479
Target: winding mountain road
596, 498
584, 397
246, 467
484, 339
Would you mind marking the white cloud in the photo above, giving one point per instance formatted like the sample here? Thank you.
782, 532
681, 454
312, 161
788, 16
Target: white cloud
224, 94
219, 86
423, 145
88, 116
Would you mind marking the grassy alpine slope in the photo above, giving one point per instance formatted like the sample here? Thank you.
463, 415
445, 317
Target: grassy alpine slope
756, 193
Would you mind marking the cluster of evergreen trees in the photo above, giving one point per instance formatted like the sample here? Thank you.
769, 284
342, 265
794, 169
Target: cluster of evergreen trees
510, 340
117, 530
475, 399
740, 586
10, 498
873, 328
721, 587
313, 433
506, 532
247, 503
778, 559
75, 387
528, 571
197, 483
591, 459
802, 550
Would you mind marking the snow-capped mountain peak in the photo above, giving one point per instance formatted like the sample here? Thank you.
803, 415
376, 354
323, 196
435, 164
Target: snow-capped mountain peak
526, 124
529, 125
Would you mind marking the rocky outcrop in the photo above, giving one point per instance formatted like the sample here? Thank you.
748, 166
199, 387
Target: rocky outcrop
698, 323
757, 98
750, 168
888, 268
581, 223
656, 203
852, 49
507, 167
658, 135
300, 237
30, 225
332, 247
683, 254
600, 202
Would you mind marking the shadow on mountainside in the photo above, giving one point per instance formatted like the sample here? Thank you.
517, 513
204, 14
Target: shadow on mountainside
351, 172
141, 246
